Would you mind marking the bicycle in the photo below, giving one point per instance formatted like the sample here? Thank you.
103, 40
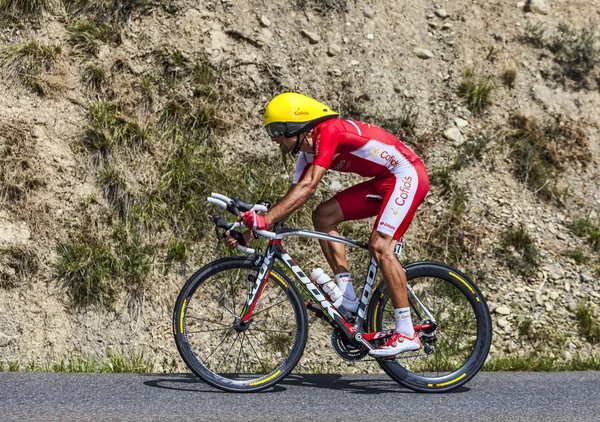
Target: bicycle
241, 325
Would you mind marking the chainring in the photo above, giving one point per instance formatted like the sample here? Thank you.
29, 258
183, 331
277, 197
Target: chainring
345, 349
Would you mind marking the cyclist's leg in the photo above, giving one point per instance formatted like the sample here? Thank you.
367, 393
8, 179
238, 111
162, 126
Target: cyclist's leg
403, 192
349, 204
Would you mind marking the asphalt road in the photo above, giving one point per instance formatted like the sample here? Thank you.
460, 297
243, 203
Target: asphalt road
560, 396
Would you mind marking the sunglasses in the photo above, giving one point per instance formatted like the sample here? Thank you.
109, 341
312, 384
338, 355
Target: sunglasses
276, 129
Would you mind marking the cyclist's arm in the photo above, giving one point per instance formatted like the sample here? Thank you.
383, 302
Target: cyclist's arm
297, 195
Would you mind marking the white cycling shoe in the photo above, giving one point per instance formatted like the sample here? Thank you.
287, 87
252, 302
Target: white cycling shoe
398, 343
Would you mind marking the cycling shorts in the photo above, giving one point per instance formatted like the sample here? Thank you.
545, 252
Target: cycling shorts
402, 192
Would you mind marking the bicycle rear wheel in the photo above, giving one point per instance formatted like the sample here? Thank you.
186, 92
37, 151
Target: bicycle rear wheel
454, 350
227, 355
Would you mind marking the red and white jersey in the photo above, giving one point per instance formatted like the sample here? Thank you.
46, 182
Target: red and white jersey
356, 147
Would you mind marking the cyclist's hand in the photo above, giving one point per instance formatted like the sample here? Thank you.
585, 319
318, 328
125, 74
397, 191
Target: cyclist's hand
254, 221
233, 238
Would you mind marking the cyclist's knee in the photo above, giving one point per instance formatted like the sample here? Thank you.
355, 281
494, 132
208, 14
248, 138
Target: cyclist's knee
381, 247
326, 215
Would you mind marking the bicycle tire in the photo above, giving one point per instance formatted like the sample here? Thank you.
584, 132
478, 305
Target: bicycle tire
204, 314
466, 307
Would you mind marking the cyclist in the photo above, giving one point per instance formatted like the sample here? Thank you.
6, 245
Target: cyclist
301, 124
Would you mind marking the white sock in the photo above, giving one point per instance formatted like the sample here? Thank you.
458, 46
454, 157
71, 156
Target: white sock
344, 282
404, 322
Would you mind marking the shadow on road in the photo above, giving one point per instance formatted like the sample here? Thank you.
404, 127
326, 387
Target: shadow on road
347, 383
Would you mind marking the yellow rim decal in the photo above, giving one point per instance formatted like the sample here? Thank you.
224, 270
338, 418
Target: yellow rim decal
450, 382
181, 315
375, 316
463, 282
266, 379
279, 279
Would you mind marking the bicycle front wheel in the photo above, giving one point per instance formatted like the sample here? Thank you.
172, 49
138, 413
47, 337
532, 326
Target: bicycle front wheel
230, 356
455, 347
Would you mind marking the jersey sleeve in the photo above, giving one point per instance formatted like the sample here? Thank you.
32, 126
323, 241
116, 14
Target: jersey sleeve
325, 142
303, 163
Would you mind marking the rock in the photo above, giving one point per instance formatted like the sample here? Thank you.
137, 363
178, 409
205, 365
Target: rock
502, 310
585, 278
335, 186
460, 123
368, 12
446, 26
499, 36
521, 4
313, 37
432, 25
567, 286
354, 62
5, 340
503, 322
453, 134
422, 53
441, 13
264, 21
553, 295
561, 236
537, 6
370, 36
397, 88
334, 50
572, 306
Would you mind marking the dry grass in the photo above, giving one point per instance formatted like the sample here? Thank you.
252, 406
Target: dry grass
28, 61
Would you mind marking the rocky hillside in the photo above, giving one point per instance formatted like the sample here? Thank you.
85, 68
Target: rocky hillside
118, 117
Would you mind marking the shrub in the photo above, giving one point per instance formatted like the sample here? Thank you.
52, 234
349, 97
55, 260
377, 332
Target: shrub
584, 227
519, 251
587, 324
576, 53
90, 270
476, 90
509, 76
539, 152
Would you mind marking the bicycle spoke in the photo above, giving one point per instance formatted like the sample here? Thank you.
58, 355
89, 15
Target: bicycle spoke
208, 320
217, 300
224, 338
257, 357
240, 354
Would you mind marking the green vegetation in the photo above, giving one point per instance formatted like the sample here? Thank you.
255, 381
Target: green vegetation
95, 78
110, 128
541, 363
115, 189
29, 7
27, 61
476, 90
509, 76
177, 251
88, 35
579, 256
113, 362
449, 239
536, 158
587, 324
586, 228
576, 52
535, 34
518, 251
95, 274
90, 270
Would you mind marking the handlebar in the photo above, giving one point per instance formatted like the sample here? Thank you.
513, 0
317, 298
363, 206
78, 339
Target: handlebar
236, 206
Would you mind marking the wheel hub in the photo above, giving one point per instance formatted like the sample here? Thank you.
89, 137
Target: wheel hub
241, 326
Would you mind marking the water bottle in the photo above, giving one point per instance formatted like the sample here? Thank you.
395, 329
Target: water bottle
330, 288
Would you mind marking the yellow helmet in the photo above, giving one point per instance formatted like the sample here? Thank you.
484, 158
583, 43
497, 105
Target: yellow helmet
290, 114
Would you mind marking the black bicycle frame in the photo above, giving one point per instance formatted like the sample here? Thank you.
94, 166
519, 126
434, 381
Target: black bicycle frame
275, 251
